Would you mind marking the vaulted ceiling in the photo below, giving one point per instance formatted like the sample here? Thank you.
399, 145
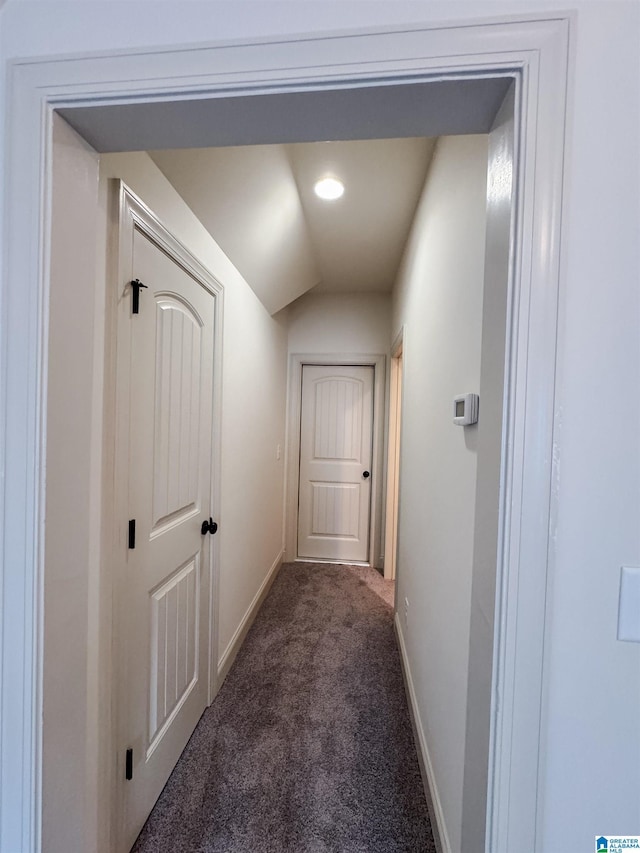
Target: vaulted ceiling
258, 204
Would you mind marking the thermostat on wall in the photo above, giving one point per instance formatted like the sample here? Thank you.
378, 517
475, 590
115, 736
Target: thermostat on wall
465, 409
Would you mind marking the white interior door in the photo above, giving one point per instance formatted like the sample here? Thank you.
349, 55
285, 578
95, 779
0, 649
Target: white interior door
165, 594
336, 430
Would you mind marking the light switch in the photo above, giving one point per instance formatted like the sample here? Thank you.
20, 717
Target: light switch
278, 452
629, 609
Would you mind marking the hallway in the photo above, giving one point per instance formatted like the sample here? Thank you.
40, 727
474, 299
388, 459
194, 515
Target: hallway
308, 746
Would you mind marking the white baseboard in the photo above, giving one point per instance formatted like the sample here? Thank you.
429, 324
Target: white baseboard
441, 837
229, 654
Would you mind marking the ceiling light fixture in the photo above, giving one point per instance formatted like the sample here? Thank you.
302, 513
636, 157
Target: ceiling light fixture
329, 189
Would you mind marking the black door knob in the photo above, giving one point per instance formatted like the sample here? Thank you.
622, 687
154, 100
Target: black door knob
366, 474
208, 527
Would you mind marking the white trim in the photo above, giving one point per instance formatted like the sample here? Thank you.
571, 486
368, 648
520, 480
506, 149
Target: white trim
296, 362
533, 49
524, 543
392, 478
441, 836
233, 647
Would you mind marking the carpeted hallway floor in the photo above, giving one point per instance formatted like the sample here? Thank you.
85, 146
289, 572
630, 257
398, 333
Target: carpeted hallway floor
308, 746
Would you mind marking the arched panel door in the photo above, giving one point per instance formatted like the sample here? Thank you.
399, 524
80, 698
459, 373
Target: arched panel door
165, 592
334, 506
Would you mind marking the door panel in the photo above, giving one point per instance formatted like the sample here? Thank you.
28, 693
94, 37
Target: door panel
335, 451
174, 645
165, 595
177, 408
335, 509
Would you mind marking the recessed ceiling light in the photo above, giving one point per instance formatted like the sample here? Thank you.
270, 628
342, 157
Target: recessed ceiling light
329, 189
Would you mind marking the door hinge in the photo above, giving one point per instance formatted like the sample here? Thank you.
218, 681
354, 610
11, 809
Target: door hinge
132, 533
128, 765
136, 284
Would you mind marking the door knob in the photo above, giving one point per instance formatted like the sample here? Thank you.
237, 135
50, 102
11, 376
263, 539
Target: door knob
366, 474
208, 526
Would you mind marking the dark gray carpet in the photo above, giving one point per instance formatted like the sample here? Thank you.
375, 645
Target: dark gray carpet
308, 746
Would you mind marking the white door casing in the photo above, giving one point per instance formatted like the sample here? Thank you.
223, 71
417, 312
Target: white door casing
294, 397
536, 53
393, 458
164, 404
336, 445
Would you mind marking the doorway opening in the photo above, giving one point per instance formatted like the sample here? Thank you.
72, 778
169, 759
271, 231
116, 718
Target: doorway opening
372, 543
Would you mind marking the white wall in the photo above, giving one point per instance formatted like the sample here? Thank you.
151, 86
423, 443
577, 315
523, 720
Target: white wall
438, 296
72, 552
340, 323
592, 681
597, 465
248, 199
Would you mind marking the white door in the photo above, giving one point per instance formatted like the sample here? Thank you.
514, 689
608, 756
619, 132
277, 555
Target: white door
336, 431
165, 596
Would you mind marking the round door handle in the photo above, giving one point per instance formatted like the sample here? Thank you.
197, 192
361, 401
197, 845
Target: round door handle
208, 526
366, 474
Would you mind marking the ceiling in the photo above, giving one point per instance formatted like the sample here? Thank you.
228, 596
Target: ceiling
258, 204
244, 164
365, 110
359, 239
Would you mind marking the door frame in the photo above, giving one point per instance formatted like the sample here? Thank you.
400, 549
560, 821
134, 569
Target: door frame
536, 50
394, 436
294, 421
133, 214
